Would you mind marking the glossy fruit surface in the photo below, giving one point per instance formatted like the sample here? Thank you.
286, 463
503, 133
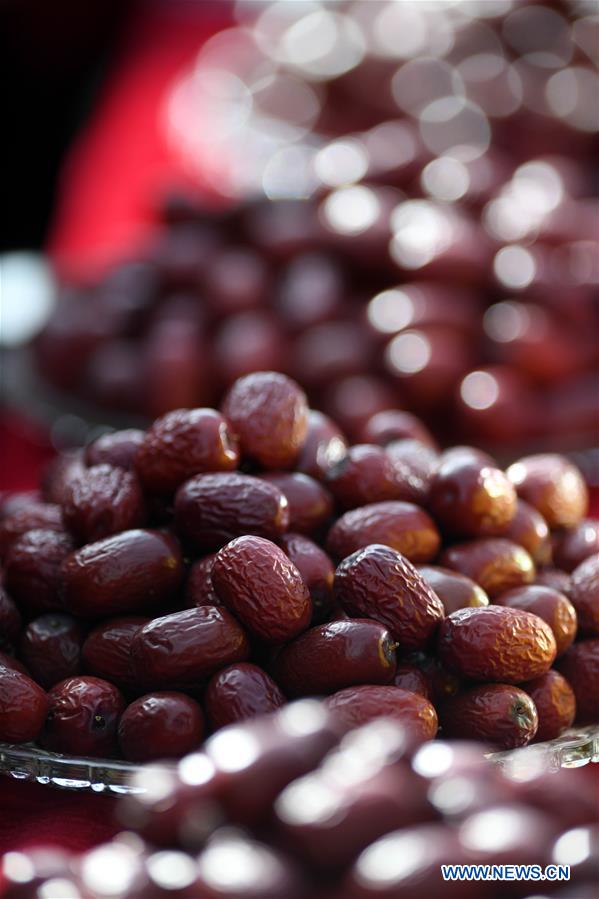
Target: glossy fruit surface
254, 404
471, 499
416, 462
23, 707
116, 448
185, 648
366, 474
554, 578
241, 691
493, 563
324, 445
554, 486
310, 503
33, 569
8, 661
500, 714
379, 583
358, 705
256, 580
59, 473
34, 516
10, 620
496, 644
402, 526
102, 500
198, 586
393, 424
529, 529
335, 655
316, 569
572, 547
83, 716
160, 725
106, 652
51, 647
456, 591
128, 572
580, 667
555, 703
183, 443
212, 509
550, 605
410, 677
584, 593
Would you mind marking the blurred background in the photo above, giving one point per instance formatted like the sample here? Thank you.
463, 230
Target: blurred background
394, 202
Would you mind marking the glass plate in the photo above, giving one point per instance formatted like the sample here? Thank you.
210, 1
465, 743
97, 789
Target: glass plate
27, 762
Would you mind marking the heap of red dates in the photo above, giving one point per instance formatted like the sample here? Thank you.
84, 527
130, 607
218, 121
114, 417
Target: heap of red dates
169, 582
427, 240
297, 805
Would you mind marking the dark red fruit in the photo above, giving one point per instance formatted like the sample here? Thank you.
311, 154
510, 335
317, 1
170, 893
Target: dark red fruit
580, 667
239, 692
129, 572
14, 502
257, 581
34, 516
160, 726
10, 620
310, 503
23, 707
316, 569
379, 583
265, 873
183, 443
185, 648
102, 500
117, 448
584, 593
555, 703
33, 566
335, 655
554, 486
441, 683
470, 498
550, 605
572, 547
410, 677
366, 474
416, 464
198, 586
212, 509
51, 647
269, 413
554, 578
83, 716
418, 853
529, 529
107, 651
7, 661
496, 644
375, 800
493, 563
393, 424
324, 445
59, 474
500, 714
358, 705
456, 591
402, 526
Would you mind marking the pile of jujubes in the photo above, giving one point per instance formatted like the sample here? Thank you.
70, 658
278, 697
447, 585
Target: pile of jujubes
168, 582
300, 804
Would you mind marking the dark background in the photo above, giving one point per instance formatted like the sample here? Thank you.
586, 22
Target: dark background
53, 58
